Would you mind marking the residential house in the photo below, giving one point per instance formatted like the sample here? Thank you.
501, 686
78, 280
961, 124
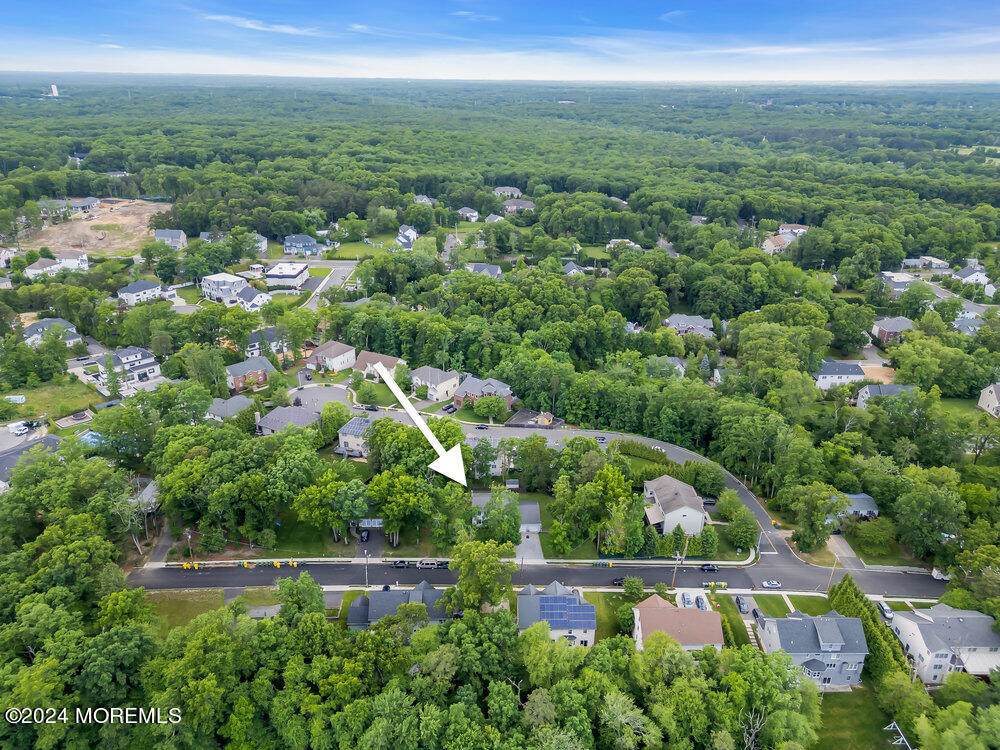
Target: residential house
423, 200
671, 503
668, 246
633, 328
942, 639
252, 299
685, 324
35, 332
974, 274
406, 236
372, 606
697, 221
968, 326
679, 364
137, 369
450, 243
507, 191
42, 267
493, 219
441, 384
302, 244
516, 205
989, 400
629, 243
275, 343
776, 244
897, 282
10, 458
366, 361
830, 649
286, 275
881, 391
572, 269
225, 408
691, 627
282, 417
223, 287
468, 214
332, 356
935, 264
250, 372
175, 238
352, 437
260, 241
140, 291
72, 260
912, 263
793, 230
472, 389
861, 505
838, 373
486, 269
7, 254
567, 613
887, 330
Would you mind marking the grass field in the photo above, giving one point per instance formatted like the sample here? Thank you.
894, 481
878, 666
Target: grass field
771, 604
179, 607
467, 415
899, 606
811, 605
586, 551
410, 547
317, 271
57, 398
896, 554
727, 608
359, 469
260, 596
383, 396
190, 294
349, 596
962, 407
362, 250
852, 721
594, 252
606, 605
296, 538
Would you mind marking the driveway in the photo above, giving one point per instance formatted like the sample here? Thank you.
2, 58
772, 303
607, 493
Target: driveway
315, 396
530, 547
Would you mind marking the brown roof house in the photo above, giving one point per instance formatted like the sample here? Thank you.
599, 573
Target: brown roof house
671, 503
691, 627
248, 373
333, 356
366, 361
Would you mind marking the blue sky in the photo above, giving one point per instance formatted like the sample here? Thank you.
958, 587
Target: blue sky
543, 40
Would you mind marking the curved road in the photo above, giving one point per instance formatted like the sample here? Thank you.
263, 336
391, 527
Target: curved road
776, 561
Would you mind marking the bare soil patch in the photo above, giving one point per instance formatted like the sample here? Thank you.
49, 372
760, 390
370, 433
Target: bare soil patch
118, 227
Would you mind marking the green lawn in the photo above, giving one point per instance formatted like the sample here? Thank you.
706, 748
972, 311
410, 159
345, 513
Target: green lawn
349, 596
362, 250
190, 294
383, 396
466, 414
410, 547
587, 549
359, 469
895, 554
852, 721
606, 605
962, 407
922, 605
899, 606
275, 249
811, 605
437, 407
727, 608
179, 607
57, 398
771, 604
296, 538
260, 596
594, 252
317, 271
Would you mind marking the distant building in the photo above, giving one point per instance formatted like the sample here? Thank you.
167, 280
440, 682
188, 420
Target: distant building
942, 639
567, 613
423, 200
260, 241
897, 283
516, 205
989, 400
275, 342
691, 627
140, 291
697, 220
881, 391
62, 260
633, 245
633, 328
468, 214
472, 389
972, 275
507, 191
860, 505
486, 269
352, 437
838, 373
372, 606
223, 287
282, 417
302, 244
671, 503
493, 219
936, 264
793, 230
366, 361
662, 244
830, 649
406, 236
890, 329
332, 356
685, 324
10, 458
292, 275
252, 299
441, 384
175, 238
35, 332
572, 269
776, 244
137, 369
250, 372
968, 326
226, 408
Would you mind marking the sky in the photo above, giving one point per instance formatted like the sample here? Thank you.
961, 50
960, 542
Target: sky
623, 40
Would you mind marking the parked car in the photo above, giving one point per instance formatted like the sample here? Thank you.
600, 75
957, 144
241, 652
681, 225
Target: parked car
386, 587
701, 603
601, 439
885, 609
756, 614
442, 564
741, 605
710, 568
617, 581
309, 376
427, 563
708, 501
401, 564
371, 408
686, 599
364, 535
14, 428
771, 584
480, 427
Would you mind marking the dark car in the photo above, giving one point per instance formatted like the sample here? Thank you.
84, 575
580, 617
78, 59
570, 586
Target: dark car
710, 568
708, 501
618, 582
309, 376
371, 408
442, 564
386, 587
364, 535
741, 605
401, 564
480, 427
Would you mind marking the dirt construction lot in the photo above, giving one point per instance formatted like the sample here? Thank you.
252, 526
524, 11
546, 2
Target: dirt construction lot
118, 227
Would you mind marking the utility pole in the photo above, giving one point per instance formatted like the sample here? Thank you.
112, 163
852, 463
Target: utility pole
367, 555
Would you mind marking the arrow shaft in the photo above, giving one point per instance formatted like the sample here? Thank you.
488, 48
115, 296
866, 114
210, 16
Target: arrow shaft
410, 409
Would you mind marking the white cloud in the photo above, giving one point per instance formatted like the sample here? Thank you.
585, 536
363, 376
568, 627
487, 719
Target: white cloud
256, 25
672, 15
357, 27
472, 16
110, 46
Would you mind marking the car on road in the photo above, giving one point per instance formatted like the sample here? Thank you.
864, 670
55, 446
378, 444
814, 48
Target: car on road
371, 408
481, 427
364, 535
401, 564
885, 609
427, 563
601, 439
710, 568
617, 581
442, 564
741, 605
708, 501
772, 584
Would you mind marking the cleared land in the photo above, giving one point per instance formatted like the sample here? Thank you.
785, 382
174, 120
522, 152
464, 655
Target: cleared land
852, 720
115, 230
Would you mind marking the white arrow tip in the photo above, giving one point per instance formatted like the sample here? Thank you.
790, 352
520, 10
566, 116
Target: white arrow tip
451, 465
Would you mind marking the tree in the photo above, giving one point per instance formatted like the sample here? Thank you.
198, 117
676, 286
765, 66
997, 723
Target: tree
709, 539
299, 596
483, 576
490, 406
924, 514
334, 416
742, 530
634, 588
816, 507
501, 518
112, 378
367, 393
484, 453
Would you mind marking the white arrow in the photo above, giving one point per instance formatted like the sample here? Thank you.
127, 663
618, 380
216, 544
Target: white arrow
449, 463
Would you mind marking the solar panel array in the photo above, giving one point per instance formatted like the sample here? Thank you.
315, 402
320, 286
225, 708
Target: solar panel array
565, 613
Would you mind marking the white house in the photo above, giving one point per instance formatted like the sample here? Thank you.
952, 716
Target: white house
175, 238
332, 356
72, 260
989, 400
972, 275
286, 274
441, 384
137, 369
406, 236
514, 205
35, 332
776, 244
793, 230
223, 287
671, 503
365, 364
942, 639
351, 437
507, 191
929, 261
252, 299
468, 214
838, 373
140, 291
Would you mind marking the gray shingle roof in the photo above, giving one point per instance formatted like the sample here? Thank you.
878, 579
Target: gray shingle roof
672, 494
367, 610
248, 293
473, 386
895, 325
175, 235
10, 458
967, 272
885, 390
39, 327
861, 503
833, 367
253, 364
223, 408
799, 633
331, 349
432, 375
280, 418
945, 627
143, 285
489, 269
680, 320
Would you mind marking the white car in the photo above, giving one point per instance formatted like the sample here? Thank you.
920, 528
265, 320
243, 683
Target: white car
771, 584
18, 428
